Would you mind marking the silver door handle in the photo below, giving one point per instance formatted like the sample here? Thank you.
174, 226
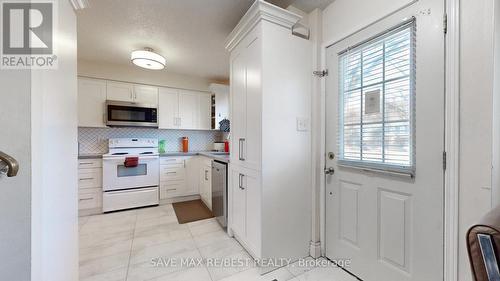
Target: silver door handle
206, 175
241, 148
9, 162
329, 171
241, 182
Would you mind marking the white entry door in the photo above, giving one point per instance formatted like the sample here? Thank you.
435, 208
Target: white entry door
384, 144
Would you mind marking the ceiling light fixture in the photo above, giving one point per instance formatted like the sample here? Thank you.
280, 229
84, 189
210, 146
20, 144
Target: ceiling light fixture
148, 59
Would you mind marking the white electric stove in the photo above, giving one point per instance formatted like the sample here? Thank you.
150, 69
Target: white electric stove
131, 187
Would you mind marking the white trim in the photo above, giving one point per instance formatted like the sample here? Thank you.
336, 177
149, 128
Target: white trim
315, 249
452, 141
260, 10
79, 4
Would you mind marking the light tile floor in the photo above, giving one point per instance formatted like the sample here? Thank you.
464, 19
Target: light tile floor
149, 244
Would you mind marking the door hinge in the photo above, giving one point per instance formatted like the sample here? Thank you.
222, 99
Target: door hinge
445, 23
444, 160
321, 73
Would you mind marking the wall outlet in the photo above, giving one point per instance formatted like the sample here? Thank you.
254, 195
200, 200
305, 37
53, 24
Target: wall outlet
302, 124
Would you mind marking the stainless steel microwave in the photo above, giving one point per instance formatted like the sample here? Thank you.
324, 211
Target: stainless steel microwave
130, 114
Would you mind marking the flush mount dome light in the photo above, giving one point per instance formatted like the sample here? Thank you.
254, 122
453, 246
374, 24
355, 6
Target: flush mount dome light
148, 59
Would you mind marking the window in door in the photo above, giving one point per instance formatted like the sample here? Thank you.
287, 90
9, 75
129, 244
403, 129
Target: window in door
377, 101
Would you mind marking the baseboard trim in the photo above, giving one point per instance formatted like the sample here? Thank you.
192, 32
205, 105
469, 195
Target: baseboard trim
179, 199
315, 249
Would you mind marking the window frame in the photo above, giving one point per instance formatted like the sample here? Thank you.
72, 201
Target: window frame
374, 165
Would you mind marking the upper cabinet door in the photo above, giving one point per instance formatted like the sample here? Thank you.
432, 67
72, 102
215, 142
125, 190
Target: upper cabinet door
251, 145
168, 108
188, 109
91, 100
238, 107
205, 112
120, 91
146, 94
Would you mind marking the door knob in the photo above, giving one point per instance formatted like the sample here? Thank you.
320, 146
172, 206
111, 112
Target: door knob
329, 171
8, 164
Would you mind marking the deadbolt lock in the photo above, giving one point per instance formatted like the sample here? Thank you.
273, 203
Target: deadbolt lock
331, 155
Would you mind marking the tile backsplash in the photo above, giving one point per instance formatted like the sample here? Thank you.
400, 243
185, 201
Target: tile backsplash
95, 140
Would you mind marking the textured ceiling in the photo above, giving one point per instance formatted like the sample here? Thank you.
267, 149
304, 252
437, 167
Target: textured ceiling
309, 5
190, 34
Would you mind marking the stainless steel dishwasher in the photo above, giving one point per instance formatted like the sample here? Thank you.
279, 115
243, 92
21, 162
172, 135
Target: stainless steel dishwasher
219, 191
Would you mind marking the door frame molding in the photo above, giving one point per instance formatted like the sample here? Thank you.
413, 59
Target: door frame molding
451, 138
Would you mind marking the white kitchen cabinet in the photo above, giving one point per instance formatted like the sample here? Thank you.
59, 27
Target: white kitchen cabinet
183, 109
246, 103
206, 181
168, 108
246, 213
270, 169
178, 176
91, 102
119, 91
188, 109
146, 94
204, 111
90, 186
221, 93
127, 92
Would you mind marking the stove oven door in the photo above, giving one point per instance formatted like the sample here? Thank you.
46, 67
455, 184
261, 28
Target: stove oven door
118, 177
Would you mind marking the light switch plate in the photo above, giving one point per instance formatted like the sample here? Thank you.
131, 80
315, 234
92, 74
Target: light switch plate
302, 124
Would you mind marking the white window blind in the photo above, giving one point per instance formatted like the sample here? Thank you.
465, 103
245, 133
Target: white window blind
377, 93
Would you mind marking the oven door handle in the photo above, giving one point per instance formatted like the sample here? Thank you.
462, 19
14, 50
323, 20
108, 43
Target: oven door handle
121, 159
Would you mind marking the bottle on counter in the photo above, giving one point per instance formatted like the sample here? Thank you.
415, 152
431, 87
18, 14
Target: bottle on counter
185, 144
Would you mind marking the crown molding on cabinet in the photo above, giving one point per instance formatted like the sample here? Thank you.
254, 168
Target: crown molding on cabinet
79, 4
260, 10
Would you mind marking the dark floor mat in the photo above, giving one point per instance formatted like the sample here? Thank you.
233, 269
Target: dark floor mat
190, 211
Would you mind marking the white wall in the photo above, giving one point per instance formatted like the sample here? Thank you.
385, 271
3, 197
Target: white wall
343, 17
131, 73
476, 98
54, 159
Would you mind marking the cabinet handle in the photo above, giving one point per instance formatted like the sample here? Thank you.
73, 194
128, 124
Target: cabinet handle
241, 182
86, 199
241, 148
85, 163
184, 163
86, 179
206, 175
169, 173
172, 189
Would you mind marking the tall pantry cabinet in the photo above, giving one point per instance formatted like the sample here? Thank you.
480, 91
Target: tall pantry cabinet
270, 170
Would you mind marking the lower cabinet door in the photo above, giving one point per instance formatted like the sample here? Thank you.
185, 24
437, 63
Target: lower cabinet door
238, 204
251, 183
171, 189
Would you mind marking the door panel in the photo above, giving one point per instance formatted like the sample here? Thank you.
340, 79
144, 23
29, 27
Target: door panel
188, 110
146, 94
91, 100
168, 108
120, 91
251, 183
205, 112
15, 202
239, 205
238, 106
252, 142
391, 225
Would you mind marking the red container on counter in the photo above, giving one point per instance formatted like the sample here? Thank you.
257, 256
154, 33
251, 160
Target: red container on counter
226, 146
185, 144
